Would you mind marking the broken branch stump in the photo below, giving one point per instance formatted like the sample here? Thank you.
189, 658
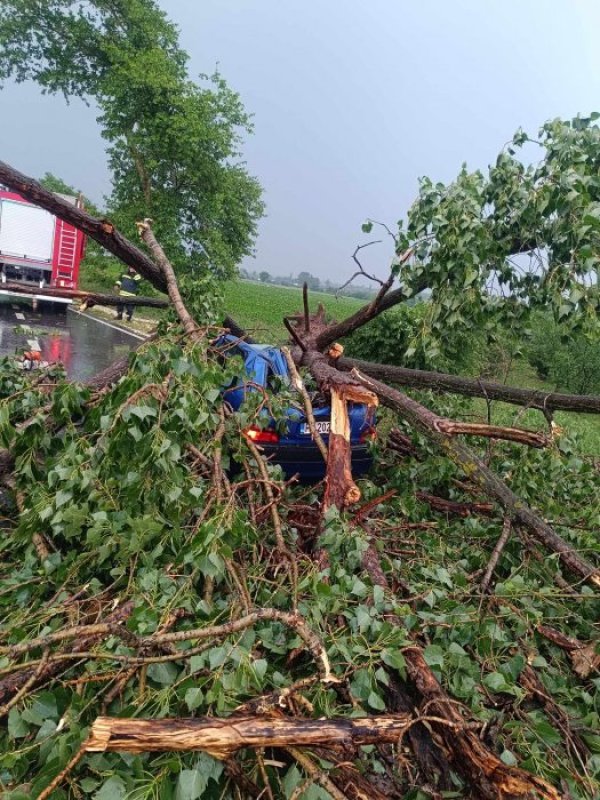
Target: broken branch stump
223, 737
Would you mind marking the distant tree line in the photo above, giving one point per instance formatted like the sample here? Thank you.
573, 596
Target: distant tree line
313, 282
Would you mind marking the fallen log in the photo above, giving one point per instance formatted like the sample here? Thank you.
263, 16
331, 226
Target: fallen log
546, 402
223, 737
89, 298
471, 758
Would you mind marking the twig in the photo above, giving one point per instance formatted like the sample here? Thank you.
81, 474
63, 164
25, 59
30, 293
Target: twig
63, 773
496, 553
361, 270
317, 774
282, 546
293, 334
306, 310
31, 681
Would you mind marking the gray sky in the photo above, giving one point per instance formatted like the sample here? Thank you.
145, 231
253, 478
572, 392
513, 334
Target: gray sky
352, 102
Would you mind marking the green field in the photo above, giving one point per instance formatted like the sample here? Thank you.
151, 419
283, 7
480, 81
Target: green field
260, 307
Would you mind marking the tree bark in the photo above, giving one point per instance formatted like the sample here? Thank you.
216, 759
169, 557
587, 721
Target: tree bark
365, 314
221, 737
476, 763
147, 235
340, 488
90, 298
546, 402
102, 231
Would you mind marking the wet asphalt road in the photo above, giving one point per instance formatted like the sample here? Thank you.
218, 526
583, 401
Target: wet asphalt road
83, 344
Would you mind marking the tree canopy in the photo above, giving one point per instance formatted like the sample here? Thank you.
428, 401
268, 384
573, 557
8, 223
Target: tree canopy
526, 233
174, 144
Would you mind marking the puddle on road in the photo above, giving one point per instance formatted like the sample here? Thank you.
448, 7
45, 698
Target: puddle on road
83, 344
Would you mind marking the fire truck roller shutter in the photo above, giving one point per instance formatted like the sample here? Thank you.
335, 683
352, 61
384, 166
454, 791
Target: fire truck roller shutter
26, 231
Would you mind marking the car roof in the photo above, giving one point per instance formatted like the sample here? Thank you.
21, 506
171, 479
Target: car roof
251, 351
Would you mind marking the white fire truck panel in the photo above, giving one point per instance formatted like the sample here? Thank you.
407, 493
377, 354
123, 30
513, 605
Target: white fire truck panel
26, 231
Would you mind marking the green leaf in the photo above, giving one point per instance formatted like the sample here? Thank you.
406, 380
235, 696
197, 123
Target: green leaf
434, 655
193, 698
165, 674
112, 789
190, 784
142, 412
394, 659
375, 701
17, 729
496, 682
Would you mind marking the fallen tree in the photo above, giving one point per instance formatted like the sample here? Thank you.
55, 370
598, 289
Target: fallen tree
140, 577
88, 299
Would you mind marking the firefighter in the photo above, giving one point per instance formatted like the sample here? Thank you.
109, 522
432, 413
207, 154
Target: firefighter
128, 286
32, 359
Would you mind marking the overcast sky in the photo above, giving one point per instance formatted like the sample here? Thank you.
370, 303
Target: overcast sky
352, 102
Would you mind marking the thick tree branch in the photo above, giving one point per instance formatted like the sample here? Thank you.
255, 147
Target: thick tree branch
544, 401
474, 467
102, 231
89, 298
368, 312
223, 737
147, 235
478, 765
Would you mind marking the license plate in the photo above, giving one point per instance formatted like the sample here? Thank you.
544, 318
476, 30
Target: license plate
322, 427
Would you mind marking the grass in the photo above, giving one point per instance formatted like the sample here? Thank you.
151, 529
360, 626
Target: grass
260, 307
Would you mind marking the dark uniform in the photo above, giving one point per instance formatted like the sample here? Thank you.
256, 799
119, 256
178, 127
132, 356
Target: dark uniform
129, 286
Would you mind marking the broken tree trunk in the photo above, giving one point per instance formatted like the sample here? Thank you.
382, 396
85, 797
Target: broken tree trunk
471, 758
222, 737
340, 489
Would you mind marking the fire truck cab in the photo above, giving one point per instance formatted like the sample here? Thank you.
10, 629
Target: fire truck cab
35, 246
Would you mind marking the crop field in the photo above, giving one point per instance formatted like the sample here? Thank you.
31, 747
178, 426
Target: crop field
260, 307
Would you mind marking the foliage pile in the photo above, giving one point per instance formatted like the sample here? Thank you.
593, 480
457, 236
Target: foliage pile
125, 519
156, 566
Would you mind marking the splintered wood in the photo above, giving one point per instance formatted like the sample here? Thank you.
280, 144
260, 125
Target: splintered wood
223, 737
341, 490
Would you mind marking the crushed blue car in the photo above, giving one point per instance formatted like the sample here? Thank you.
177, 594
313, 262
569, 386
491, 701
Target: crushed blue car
291, 445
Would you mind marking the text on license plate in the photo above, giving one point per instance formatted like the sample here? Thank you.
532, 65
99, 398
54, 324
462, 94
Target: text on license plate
322, 427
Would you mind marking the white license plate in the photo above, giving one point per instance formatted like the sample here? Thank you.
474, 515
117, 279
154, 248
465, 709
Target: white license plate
322, 427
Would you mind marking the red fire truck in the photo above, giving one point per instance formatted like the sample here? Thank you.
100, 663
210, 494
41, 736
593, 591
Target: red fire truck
35, 246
